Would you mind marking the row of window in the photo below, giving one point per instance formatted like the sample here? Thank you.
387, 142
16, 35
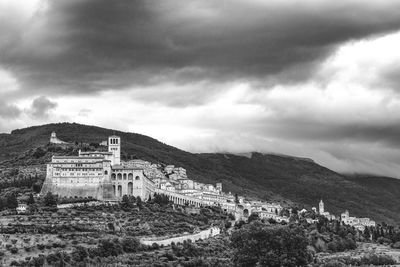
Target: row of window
79, 170
119, 176
78, 174
114, 141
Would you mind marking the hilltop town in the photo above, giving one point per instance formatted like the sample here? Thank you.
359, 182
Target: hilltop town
103, 176
64, 199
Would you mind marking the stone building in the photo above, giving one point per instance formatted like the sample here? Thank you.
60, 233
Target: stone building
95, 174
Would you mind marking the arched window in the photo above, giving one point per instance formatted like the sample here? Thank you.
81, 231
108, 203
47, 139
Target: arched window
105, 172
124, 176
130, 188
137, 178
119, 191
115, 193
119, 176
130, 177
113, 176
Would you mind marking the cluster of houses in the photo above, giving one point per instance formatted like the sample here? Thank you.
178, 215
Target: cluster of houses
345, 218
105, 177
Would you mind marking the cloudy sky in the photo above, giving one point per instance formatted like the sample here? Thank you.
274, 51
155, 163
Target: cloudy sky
309, 78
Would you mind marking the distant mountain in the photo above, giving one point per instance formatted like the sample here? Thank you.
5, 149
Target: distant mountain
283, 178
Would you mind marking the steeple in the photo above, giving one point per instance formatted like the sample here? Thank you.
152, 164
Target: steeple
321, 207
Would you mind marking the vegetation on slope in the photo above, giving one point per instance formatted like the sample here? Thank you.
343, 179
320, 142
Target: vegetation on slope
271, 177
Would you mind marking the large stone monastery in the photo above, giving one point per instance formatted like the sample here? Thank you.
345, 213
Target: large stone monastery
95, 174
103, 176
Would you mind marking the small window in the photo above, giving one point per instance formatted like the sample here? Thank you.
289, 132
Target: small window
137, 178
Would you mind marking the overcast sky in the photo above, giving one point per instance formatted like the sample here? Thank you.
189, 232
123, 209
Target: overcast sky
309, 78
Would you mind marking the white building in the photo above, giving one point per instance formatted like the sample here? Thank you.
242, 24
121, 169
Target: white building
22, 208
55, 140
95, 174
358, 223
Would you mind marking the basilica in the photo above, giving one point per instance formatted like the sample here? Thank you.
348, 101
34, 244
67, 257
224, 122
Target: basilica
96, 174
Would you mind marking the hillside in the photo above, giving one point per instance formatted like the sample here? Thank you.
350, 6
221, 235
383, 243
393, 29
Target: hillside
273, 177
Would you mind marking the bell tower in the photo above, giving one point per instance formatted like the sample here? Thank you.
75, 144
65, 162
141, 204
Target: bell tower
321, 207
114, 146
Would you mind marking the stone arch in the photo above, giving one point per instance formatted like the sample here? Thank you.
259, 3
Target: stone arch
119, 176
119, 190
137, 178
130, 188
124, 176
130, 177
113, 176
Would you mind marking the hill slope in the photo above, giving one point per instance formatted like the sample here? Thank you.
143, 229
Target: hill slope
273, 177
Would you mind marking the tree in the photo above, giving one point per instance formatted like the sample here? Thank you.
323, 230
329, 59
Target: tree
31, 200
12, 201
126, 203
236, 199
130, 245
108, 248
36, 187
139, 202
253, 217
50, 200
366, 233
259, 245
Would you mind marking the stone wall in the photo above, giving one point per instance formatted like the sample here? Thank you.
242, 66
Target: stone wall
166, 241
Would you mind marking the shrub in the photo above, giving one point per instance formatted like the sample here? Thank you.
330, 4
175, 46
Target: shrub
109, 248
130, 245
14, 250
79, 254
377, 260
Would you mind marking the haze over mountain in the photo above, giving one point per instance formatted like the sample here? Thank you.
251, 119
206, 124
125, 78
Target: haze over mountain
273, 177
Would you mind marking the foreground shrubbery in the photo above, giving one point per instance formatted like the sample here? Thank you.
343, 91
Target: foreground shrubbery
258, 244
373, 259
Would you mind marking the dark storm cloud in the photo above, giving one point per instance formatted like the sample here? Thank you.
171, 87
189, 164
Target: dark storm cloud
90, 45
385, 133
41, 107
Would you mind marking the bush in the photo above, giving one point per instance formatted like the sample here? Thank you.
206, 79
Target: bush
377, 260
109, 248
130, 245
14, 250
79, 254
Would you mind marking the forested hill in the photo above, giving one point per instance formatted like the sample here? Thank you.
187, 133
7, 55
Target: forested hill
272, 177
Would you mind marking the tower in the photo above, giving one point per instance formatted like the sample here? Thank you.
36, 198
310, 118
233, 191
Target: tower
321, 207
114, 146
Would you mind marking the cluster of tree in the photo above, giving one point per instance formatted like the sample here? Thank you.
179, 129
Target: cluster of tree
80, 254
9, 201
367, 260
20, 181
75, 200
129, 201
50, 200
160, 199
258, 244
383, 233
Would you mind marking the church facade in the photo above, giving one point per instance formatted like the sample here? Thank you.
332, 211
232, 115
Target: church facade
96, 174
